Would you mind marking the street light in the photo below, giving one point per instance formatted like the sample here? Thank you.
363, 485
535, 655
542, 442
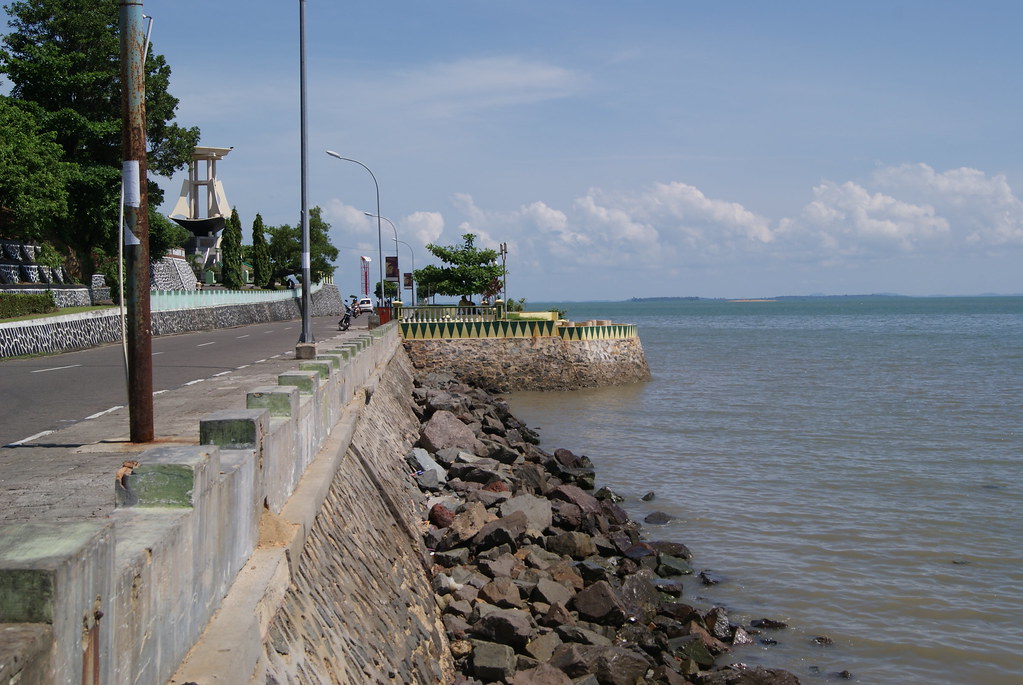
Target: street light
413, 256
380, 240
378, 218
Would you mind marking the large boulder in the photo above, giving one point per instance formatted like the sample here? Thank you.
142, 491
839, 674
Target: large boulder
444, 430
599, 603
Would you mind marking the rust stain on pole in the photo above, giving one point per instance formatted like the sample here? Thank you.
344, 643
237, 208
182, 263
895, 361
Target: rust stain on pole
136, 213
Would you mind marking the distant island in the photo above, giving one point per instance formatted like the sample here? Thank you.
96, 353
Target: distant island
768, 299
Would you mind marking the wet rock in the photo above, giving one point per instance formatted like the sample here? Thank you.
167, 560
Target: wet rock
669, 567
823, 640
610, 665
575, 495
768, 623
738, 675
718, 624
658, 518
600, 603
672, 549
648, 496
708, 577
640, 596
606, 494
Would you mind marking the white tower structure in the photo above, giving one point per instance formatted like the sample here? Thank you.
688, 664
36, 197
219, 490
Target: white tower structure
202, 207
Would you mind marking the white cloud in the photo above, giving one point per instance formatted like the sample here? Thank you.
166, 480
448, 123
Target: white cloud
847, 219
982, 210
426, 227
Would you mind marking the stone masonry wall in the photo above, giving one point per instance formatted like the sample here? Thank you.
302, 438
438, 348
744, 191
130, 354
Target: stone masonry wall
361, 608
509, 364
79, 331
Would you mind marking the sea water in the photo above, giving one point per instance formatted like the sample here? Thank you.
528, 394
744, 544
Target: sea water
849, 466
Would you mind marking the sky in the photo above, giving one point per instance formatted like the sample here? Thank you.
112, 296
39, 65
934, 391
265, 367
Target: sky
650, 148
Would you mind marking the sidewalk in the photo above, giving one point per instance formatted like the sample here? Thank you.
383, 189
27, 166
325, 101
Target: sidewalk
69, 475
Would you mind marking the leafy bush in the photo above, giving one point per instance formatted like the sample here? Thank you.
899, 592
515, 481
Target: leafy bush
12, 305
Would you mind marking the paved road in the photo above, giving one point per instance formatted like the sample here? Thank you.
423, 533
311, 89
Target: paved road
49, 393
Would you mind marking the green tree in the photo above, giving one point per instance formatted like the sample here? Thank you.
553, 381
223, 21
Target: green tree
231, 252
260, 254
285, 248
64, 56
471, 270
390, 289
33, 194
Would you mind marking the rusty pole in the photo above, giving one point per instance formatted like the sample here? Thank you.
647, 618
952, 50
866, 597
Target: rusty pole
136, 215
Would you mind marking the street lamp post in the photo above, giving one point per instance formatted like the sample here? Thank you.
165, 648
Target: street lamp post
412, 254
378, 218
380, 240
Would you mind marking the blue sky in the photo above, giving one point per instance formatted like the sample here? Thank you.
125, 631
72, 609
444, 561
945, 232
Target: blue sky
717, 149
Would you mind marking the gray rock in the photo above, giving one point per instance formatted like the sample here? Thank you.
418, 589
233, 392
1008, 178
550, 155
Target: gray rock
502, 592
543, 674
658, 518
570, 493
610, 665
551, 592
575, 544
572, 633
420, 460
542, 647
539, 514
444, 430
492, 661
505, 530
506, 626
601, 604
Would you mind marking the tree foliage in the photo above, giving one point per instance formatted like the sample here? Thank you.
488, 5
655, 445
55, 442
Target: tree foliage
231, 252
33, 192
470, 271
63, 56
260, 254
285, 249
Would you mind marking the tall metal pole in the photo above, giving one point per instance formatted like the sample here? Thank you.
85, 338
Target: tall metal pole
413, 255
307, 330
380, 240
136, 214
393, 228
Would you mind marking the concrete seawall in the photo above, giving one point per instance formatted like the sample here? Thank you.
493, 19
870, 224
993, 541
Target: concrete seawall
284, 547
537, 363
217, 561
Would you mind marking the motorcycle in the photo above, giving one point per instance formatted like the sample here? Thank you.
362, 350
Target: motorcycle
346, 320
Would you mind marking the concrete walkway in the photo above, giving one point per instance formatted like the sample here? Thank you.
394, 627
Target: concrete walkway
69, 475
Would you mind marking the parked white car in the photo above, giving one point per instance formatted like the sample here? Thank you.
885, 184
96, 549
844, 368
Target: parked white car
365, 305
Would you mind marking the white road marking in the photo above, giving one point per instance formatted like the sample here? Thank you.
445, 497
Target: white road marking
222, 373
105, 411
239, 337
243, 366
55, 368
214, 342
198, 380
28, 439
156, 353
159, 392
259, 361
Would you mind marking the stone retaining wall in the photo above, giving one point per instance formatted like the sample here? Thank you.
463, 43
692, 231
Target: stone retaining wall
509, 364
79, 331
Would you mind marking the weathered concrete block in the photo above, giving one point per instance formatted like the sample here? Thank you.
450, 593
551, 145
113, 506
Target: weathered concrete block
279, 400
320, 367
61, 574
235, 428
169, 477
305, 381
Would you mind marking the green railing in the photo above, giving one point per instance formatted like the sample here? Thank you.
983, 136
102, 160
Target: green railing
446, 313
168, 300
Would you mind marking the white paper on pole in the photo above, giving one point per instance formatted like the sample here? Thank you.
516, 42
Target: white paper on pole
130, 181
129, 237
305, 260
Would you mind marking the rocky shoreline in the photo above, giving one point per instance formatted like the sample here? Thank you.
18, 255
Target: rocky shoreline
543, 580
